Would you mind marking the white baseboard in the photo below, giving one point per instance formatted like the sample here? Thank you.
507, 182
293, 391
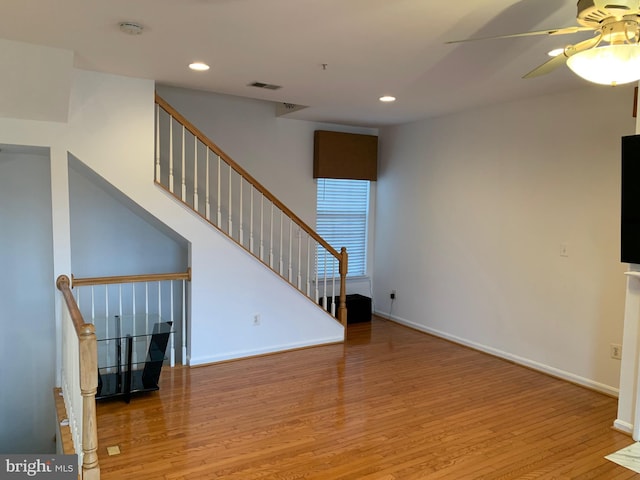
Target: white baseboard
622, 426
208, 359
549, 370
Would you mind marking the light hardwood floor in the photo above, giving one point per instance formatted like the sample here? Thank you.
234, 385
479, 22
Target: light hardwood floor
389, 404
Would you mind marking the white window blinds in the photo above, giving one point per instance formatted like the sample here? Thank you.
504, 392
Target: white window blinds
342, 216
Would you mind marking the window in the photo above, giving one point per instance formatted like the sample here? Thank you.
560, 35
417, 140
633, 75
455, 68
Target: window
342, 220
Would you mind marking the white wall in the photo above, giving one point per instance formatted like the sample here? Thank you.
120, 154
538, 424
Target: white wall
36, 81
472, 211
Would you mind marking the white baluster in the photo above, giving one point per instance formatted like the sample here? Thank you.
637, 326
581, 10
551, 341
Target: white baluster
251, 219
118, 319
261, 227
159, 301
183, 196
173, 350
316, 262
133, 321
146, 300
106, 327
241, 234
308, 276
290, 269
146, 306
157, 173
280, 263
271, 239
195, 174
230, 225
207, 212
184, 323
324, 288
333, 287
219, 217
120, 300
299, 235
93, 304
171, 188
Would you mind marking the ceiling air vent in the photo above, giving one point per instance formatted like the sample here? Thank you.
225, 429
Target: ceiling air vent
268, 86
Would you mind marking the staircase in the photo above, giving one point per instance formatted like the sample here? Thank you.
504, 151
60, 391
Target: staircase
197, 173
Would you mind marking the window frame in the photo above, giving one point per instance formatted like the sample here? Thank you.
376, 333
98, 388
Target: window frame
344, 199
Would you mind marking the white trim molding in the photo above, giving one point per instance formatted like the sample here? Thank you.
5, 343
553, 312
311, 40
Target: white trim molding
622, 426
526, 362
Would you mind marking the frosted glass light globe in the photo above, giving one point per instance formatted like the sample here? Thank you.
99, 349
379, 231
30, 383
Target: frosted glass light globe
608, 65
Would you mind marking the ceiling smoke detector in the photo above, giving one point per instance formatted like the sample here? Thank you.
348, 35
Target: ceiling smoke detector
131, 28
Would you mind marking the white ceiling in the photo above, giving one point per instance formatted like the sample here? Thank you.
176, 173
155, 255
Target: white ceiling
370, 48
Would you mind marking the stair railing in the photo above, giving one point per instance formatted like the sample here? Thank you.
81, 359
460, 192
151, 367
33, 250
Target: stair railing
199, 174
159, 294
80, 381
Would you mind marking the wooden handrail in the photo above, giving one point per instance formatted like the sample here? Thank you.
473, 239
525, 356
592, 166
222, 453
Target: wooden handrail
203, 138
152, 277
88, 356
64, 285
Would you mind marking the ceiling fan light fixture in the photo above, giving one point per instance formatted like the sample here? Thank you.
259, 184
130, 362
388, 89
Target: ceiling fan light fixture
607, 65
555, 52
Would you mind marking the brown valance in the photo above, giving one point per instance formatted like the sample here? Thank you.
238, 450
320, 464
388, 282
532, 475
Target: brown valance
345, 155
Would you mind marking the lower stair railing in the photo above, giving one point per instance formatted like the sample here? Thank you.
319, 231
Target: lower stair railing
160, 295
80, 381
200, 175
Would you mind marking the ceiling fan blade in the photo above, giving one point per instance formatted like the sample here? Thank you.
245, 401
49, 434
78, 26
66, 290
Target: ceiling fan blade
556, 31
547, 67
561, 59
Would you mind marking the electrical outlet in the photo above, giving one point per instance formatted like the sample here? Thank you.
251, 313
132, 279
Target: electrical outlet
256, 320
392, 295
616, 351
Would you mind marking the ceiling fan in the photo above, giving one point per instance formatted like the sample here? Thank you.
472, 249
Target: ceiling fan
611, 57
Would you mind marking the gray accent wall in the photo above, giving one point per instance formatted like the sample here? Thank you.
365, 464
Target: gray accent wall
111, 235
27, 342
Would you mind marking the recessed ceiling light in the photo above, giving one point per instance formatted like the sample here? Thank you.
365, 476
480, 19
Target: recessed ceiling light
555, 52
387, 98
199, 66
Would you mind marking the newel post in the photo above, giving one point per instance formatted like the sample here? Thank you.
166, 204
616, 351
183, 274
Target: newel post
88, 388
342, 309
